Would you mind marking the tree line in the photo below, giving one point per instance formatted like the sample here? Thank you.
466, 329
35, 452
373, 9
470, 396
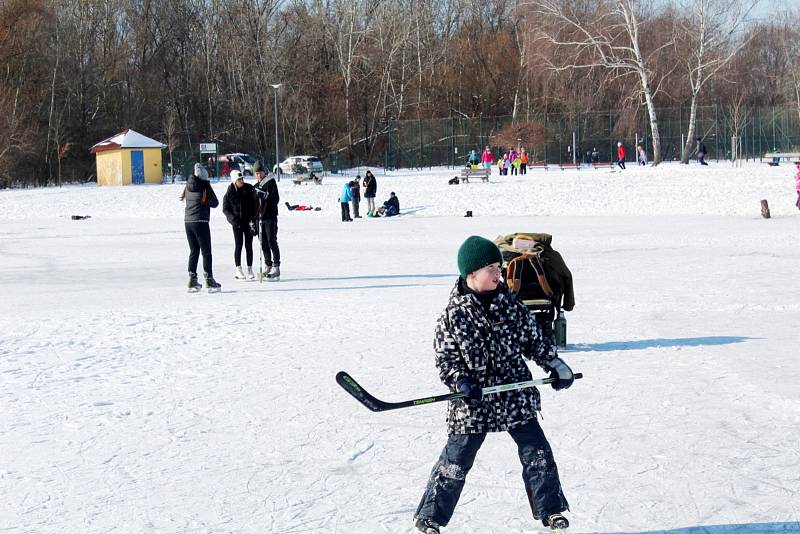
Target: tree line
188, 71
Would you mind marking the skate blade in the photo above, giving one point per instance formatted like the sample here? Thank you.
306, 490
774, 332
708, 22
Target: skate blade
214, 289
274, 279
193, 290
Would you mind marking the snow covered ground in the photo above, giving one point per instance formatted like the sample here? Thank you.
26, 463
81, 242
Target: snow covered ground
128, 405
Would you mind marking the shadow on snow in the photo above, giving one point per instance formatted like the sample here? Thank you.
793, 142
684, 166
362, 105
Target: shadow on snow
752, 528
657, 343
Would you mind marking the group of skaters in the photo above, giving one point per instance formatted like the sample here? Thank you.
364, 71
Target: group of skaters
512, 162
250, 210
516, 163
351, 195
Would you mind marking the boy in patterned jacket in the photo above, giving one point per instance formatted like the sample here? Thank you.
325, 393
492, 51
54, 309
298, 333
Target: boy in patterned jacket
480, 341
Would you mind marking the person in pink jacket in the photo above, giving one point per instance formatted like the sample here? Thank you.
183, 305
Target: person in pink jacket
487, 158
797, 183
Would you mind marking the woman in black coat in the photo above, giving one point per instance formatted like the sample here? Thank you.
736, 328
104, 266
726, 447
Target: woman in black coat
239, 206
370, 190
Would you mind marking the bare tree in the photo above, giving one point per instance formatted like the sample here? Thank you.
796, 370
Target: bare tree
348, 24
708, 37
604, 34
789, 47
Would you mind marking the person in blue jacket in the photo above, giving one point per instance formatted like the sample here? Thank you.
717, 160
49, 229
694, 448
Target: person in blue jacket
344, 200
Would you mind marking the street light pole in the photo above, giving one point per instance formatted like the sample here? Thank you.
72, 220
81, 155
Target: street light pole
276, 86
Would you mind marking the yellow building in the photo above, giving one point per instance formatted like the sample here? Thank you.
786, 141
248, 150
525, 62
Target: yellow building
128, 158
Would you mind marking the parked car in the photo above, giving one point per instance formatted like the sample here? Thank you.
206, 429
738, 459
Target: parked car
242, 160
300, 165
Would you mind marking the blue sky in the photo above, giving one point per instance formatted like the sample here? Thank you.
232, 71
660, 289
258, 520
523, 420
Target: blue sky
766, 7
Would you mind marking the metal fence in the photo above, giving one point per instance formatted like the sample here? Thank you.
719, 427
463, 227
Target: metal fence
448, 141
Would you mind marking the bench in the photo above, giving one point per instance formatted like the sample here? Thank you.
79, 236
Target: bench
776, 157
563, 166
540, 165
603, 165
305, 178
481, 172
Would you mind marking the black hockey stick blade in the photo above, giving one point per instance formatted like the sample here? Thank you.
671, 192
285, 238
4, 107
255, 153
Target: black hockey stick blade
349, 384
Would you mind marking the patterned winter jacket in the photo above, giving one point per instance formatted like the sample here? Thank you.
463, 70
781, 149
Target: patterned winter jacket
489, 346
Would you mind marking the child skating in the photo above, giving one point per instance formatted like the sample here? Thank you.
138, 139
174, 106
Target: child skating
480, 340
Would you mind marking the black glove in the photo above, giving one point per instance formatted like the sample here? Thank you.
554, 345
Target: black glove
560, 370
471, 390
253, 228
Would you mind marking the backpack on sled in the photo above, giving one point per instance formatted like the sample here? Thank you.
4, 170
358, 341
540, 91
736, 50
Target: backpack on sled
538, 274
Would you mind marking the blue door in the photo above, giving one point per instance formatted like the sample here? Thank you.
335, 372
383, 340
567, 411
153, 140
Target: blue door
137, 167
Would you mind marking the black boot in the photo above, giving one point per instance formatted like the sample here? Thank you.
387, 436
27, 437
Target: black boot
194, 285
556, 522
426, 526
212, 285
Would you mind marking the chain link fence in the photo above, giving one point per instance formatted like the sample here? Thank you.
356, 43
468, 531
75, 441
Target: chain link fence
555, 138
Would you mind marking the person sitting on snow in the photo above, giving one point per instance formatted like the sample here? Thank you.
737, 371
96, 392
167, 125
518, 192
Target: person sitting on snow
390, 208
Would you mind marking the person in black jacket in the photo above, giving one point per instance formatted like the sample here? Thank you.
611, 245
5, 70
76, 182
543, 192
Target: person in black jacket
355, 192
268, 199
701, 151
239, 206
200, 198
370, 190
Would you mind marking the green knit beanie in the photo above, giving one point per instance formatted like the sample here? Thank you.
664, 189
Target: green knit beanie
257, 166
475, 253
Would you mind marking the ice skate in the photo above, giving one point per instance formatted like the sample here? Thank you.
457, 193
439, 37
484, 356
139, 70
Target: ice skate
212, 285
274, 274
426, 526
250, 274
557, 522
194, 285
239, 274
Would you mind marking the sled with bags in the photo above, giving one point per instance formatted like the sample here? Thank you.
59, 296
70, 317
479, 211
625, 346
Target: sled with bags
538, 275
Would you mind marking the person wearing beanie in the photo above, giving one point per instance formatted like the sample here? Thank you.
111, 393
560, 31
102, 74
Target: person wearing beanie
200, 198
268, 198
621, 155
482, 339
240, 206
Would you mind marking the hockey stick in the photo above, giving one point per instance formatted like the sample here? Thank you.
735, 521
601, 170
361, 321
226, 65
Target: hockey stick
349, 384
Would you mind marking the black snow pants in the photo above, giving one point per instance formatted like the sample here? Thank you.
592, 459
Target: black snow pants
539, 474
269, 242
199, 236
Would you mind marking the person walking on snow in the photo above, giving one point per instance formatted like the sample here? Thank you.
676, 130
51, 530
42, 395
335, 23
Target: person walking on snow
701, 151
200, 198
479, 341
641, 155
240, 206
268, 199
621, 155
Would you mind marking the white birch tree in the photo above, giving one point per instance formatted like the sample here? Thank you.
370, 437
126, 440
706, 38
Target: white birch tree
708, 37
604, 34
